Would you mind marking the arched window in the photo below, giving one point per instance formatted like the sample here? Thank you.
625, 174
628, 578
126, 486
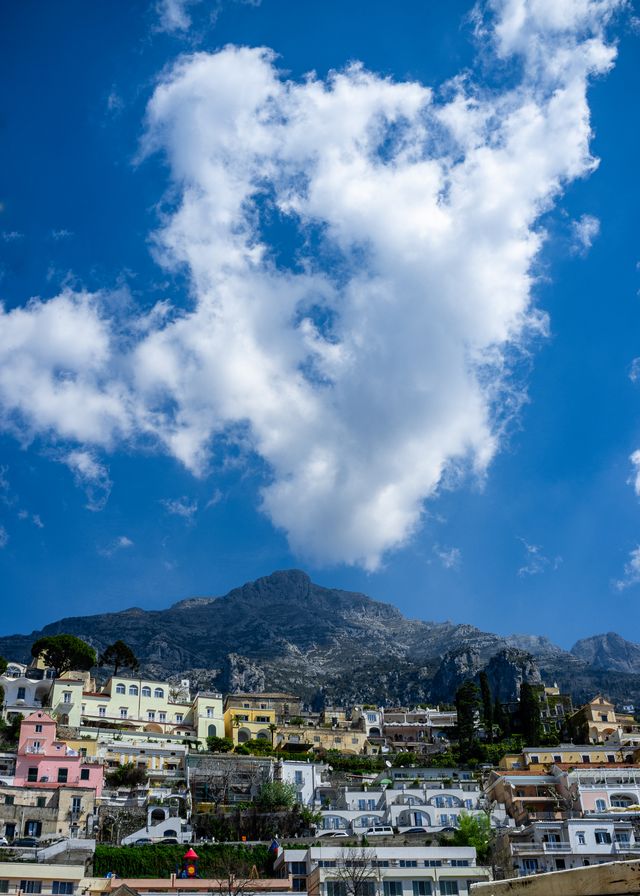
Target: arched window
146, 691
212, 731
133, 690
120, 689
159, 693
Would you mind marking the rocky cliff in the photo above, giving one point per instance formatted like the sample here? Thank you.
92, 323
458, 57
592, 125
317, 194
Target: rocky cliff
283, 632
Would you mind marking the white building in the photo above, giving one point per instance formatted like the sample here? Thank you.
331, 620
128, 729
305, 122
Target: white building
573, 843
381, 871
26, 689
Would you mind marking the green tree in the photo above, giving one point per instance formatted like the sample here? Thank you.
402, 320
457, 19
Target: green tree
501, 718
474, 830
219, 744
276, 795
128, 775
64, 653
467, 704
120, 656
3, 665
530, 721
487, 706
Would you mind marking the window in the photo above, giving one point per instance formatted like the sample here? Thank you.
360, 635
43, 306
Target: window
336, 888
422, 888
392, 887
600, 805
459, 863
603, 837
534, 759
31, 886
21, 693
4, 886
84, 774
32, 775
298, 777
603, 717
62, 888
102, 711
63, 774
41, 802
151, 715
66, 696
408, 863
158, 693
580, 838
9, 800
35, 746
162, 716
585, 757
371, 717
76, 804
120, 689
622, 837
33, 828
209, 712
146, 691
557, 758
263, 718
38, 729
448, 888
133, 690
179, 717
123, 712
610, 758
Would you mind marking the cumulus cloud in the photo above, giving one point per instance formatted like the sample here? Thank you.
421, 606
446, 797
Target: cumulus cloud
585, 230
92, 476
631, 571
635, 460
373, 363
4, 537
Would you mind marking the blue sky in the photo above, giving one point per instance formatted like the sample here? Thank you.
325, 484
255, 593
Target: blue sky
378, 322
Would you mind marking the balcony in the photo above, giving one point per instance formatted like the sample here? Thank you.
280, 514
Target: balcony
538, 848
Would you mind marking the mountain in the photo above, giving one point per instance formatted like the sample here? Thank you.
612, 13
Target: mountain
609, 651
283, 632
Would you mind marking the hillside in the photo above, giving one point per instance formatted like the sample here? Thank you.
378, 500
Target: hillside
283, 632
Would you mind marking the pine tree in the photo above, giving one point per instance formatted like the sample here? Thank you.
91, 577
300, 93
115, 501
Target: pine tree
487, 706
530, 721
467, 704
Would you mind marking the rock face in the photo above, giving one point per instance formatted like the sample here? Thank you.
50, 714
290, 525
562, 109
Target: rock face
283, 632
609, 651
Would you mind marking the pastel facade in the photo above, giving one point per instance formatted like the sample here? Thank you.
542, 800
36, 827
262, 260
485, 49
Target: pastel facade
138, 704
386, 871
536, 758
44, 760
37, 877
26, 688
346, 740
600, 788
246, 718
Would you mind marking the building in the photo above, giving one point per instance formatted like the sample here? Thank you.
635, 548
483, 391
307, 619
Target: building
42, 759
542, 758
322, 737
527, 796
26, 688
246, 718
599, 788
46, 811
381, 871
610, 879
138, 704
572, 843
285, 706
597, 721
35, 877
414, 729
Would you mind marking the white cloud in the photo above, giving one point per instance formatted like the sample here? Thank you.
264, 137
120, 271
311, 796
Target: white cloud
62, 234
449, 557
181, 507
121, 543
4, 537
585, 230
635, 460
11, 236
536, 562
367, 371
92, 476
37, 521
215, 498
631, 571
173, 15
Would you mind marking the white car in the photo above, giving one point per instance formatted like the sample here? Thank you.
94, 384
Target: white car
330, 835
4, 841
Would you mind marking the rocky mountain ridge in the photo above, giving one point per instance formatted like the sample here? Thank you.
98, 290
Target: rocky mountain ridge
283, 632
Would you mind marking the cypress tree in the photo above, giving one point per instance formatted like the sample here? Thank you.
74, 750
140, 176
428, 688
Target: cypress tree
487, 706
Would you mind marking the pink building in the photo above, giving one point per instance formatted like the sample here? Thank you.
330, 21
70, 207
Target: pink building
48, 762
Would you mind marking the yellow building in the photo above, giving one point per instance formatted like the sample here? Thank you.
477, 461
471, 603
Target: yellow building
346, 740
541, 758
246, 718
137, 704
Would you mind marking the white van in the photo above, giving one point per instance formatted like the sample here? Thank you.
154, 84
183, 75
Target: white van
381, 830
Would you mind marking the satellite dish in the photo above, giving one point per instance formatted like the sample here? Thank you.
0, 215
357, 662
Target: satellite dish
387, 763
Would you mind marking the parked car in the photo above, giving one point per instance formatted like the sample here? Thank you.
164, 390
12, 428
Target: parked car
331, 835
142, 841
4, 841
415, 831
173, 840
380, 830
26, 841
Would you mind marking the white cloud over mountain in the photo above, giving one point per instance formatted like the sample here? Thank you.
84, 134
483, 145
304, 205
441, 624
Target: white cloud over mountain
375, 360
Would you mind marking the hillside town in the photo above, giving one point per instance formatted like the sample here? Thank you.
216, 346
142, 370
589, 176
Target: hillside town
408, 800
